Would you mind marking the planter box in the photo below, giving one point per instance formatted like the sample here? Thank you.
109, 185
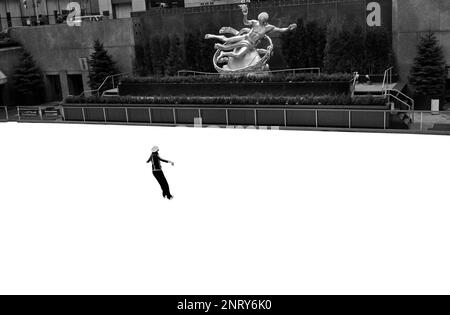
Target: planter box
238, 89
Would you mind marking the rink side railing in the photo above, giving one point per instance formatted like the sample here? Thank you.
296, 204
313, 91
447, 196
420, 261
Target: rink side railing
340, 119
4, 113
191, 115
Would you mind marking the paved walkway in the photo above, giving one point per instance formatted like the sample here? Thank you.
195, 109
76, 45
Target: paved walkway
429, 121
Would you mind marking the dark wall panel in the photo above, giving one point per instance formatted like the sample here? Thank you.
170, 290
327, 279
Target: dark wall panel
94, 114
333, 119
270, 117
116, 115
186, 115
138, 115
214, 116
368, 120
243, 117
162, 116
301, 118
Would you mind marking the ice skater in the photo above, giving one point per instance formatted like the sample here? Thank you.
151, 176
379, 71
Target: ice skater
158, 173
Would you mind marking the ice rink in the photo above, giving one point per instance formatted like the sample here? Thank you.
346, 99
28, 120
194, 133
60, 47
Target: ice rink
255, 212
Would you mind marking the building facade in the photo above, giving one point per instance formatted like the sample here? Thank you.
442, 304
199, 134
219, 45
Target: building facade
14, 13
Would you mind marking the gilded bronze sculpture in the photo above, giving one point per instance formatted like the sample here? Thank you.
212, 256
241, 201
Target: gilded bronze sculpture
240, 52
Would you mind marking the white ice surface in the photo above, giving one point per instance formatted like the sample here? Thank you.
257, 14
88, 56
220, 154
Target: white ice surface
255, 212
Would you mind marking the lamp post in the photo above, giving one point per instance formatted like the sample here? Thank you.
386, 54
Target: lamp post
35, 4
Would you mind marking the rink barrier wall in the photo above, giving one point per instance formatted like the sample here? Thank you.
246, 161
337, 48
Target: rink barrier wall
358, 119
371, 117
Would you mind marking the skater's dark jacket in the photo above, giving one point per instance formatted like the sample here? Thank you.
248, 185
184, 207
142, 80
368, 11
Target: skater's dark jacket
156, 161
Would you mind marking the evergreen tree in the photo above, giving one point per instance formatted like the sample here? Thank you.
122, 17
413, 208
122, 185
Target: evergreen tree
148, 66
345, 48
143, 65
28, 82
101, 65
294, 46
378, 51
207, 49
286, 46
334, 47
174, 61
354, 52
157, 56
428, 72
165, 47
192, 49
317, 41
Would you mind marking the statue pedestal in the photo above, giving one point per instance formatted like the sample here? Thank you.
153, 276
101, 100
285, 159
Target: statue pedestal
245, 61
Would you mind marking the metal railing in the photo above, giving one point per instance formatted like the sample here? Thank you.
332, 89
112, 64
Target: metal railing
387, 78
342, 119
295, 118
313, 70
347, 123
40, 113
354, 81
111, 79
398, 95
407, 101
4, 113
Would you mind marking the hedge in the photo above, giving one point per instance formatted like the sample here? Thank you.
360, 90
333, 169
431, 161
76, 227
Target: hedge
238, 100
6, 43
277, 77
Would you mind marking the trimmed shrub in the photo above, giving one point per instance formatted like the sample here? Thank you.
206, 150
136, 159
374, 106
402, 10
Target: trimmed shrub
230, 100
101, 65
339, 77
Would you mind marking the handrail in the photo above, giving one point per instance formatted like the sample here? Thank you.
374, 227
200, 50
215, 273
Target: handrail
387, 79
411, 106
355, 79
403, 102
403, 94
293, 70
103, 83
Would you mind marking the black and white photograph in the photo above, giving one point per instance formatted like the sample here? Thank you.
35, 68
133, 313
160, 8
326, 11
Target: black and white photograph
209, 149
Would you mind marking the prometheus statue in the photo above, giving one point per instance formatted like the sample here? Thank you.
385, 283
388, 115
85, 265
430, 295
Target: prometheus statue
241, 52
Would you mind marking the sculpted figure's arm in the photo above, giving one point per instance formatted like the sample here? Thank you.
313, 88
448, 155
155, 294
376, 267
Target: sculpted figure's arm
283, 30
245, 13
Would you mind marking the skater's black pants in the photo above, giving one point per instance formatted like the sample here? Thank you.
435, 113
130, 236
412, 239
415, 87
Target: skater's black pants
159, 175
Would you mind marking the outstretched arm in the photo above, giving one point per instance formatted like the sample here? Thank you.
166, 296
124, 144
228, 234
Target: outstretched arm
245, 13
284, 29
166, 161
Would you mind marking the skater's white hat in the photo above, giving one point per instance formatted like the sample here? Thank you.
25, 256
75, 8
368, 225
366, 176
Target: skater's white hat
155, 149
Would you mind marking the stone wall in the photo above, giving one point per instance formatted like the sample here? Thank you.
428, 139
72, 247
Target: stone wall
57, 49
